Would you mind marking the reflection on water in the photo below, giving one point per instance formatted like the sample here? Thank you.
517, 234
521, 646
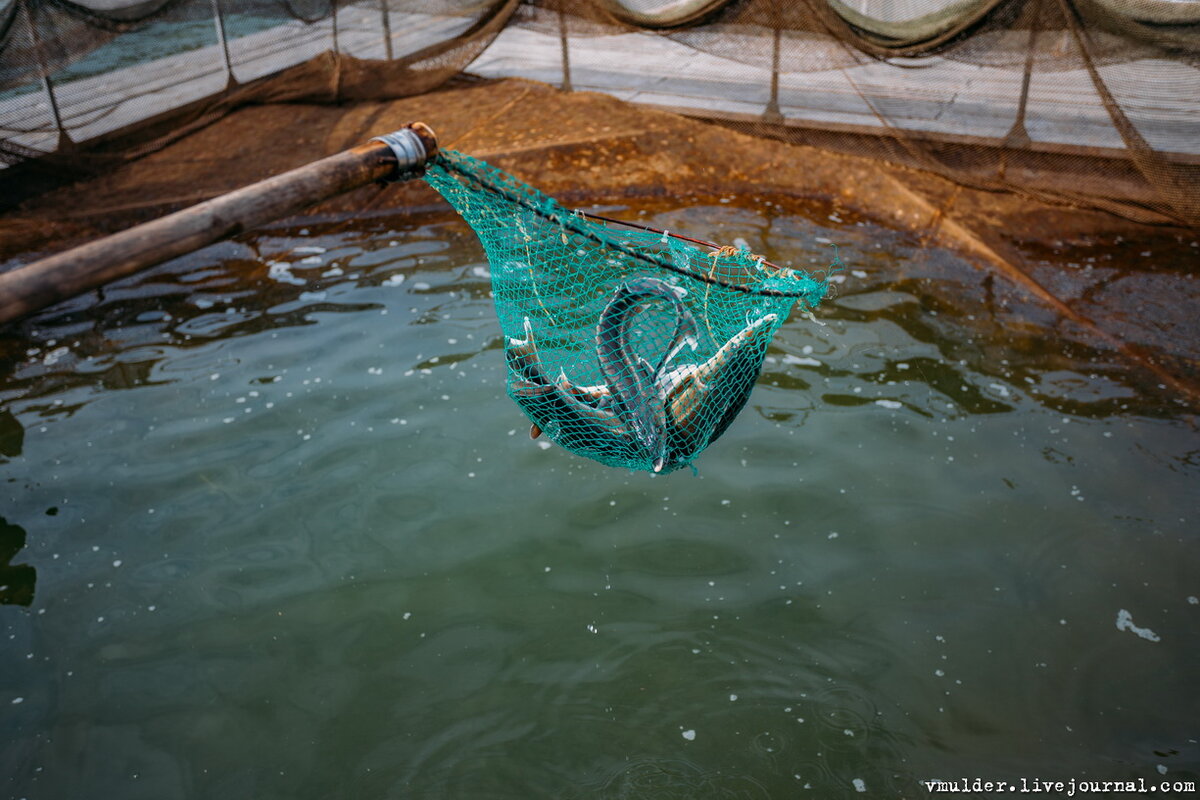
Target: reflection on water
16, 580
12, 435
292, 540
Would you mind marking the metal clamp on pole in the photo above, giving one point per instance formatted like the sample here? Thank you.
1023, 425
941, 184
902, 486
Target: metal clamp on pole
413, 146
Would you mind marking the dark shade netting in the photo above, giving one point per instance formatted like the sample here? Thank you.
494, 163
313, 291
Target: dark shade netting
95, 71
634, 348
1084, 102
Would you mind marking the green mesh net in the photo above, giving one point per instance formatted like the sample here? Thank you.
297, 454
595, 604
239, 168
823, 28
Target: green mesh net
634, 348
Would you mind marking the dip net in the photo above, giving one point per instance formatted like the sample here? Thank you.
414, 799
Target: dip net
635, 348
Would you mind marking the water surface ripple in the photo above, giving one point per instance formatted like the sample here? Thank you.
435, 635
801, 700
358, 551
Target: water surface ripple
276, 531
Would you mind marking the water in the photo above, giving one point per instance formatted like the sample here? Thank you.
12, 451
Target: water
285, 536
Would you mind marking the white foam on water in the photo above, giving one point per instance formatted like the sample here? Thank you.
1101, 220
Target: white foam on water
309, 296
421, 286
481, 272
859, 785
281, 272
733, 698
1194, 600
306, 249
805, 362
1125, 623
311, 261
690, 735
393, 280
54, 356
889, 403
858, 273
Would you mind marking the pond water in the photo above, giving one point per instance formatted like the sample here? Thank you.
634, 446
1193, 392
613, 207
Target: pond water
270, 527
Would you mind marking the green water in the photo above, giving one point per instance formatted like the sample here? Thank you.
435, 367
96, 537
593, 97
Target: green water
286, 537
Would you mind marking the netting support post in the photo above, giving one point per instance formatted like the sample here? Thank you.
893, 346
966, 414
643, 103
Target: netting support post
219, 22
566, 50
772, 114
385, 14
64, 138
1018, 135
333, 12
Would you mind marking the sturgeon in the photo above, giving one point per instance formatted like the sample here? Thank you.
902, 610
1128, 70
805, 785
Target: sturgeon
642, 406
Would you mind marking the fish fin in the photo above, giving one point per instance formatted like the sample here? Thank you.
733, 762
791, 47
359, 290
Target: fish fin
647, 370
596, 395
513, 341
521, 387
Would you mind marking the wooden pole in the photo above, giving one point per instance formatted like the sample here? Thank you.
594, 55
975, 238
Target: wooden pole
397, 156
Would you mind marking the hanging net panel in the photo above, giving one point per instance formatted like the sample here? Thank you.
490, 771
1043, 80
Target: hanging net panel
1086, 102
631, 347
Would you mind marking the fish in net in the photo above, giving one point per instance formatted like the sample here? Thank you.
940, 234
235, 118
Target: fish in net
635, 348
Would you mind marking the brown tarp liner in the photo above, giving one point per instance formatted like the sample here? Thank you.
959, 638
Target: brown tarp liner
590, 147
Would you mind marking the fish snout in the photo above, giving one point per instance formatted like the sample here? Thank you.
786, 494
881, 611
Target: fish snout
658, 451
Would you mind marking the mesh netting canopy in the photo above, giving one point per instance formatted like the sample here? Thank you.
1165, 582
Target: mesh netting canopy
634, 348
1088, 102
